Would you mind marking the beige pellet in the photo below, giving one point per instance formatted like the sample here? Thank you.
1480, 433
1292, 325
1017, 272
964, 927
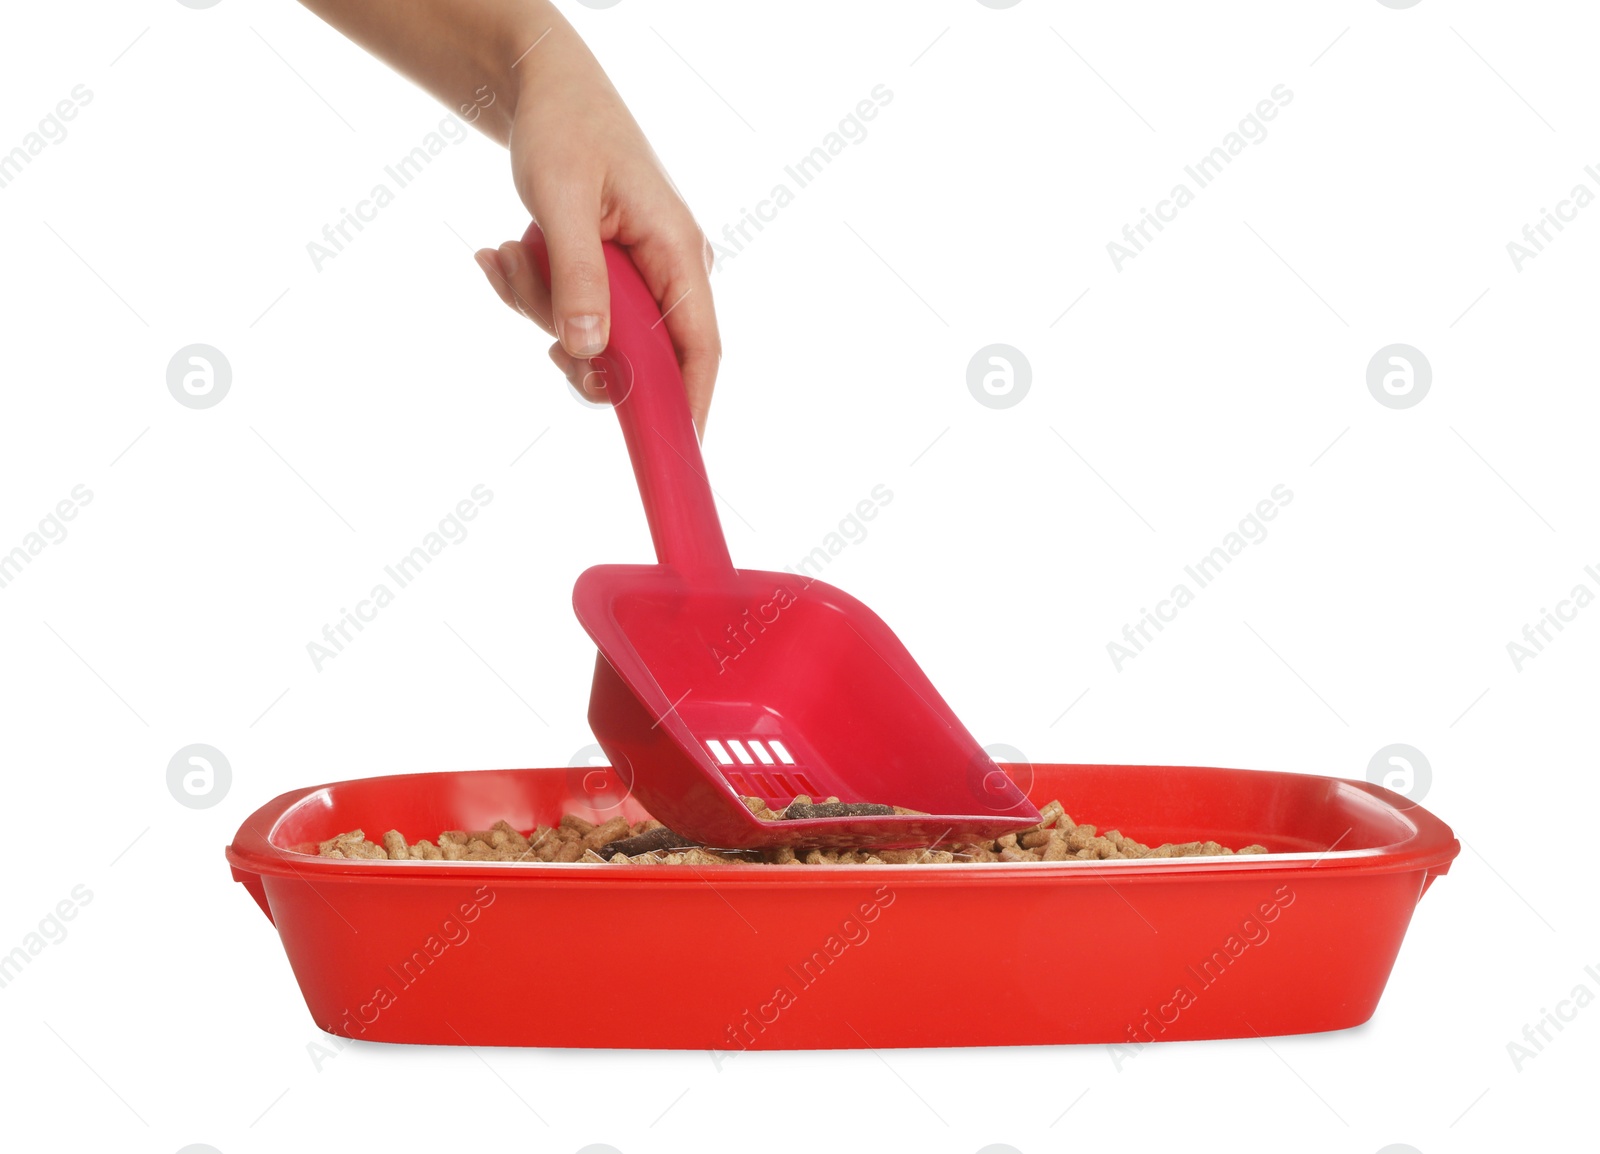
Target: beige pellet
339, 841
513, 835
611, 831
698, 856
576, 824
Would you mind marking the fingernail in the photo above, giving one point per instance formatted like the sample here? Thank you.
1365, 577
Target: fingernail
491, 269
583, 336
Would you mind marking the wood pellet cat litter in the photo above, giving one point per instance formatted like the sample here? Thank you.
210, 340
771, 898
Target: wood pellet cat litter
1057, 838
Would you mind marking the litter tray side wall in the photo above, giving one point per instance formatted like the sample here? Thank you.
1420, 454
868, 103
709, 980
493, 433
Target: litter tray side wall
884, 962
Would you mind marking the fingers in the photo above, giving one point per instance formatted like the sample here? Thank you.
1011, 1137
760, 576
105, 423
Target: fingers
576, 308
692, 323
581, 374
516, 282
580, 295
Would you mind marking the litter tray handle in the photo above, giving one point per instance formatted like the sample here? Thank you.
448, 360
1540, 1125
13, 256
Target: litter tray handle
252, 882
1432, 876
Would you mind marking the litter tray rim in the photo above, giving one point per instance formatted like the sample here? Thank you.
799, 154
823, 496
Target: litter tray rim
1429, 845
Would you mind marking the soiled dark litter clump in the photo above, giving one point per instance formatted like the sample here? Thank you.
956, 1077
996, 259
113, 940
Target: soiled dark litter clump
801, 808
658, 840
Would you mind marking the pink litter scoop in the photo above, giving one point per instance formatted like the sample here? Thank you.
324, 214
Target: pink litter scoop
715, 683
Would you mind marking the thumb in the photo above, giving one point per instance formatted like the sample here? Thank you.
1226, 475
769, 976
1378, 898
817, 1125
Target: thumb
580, 296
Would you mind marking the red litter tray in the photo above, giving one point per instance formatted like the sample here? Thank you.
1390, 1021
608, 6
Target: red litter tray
752, 956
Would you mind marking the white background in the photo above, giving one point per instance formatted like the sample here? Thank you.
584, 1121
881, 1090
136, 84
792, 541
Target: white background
369, 397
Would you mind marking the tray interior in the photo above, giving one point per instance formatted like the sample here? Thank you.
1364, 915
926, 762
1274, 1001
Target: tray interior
1287, 813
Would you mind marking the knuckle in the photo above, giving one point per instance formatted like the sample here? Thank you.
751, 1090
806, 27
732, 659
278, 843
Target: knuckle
707, 351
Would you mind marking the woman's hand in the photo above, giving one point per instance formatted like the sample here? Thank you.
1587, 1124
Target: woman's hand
587, 174
580, 163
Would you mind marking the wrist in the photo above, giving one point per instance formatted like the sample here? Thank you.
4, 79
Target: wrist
536, 44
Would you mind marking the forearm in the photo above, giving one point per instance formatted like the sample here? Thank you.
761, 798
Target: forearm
517, 71
462, 50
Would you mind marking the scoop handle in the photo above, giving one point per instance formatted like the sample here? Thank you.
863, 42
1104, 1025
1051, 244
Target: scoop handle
646, 388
